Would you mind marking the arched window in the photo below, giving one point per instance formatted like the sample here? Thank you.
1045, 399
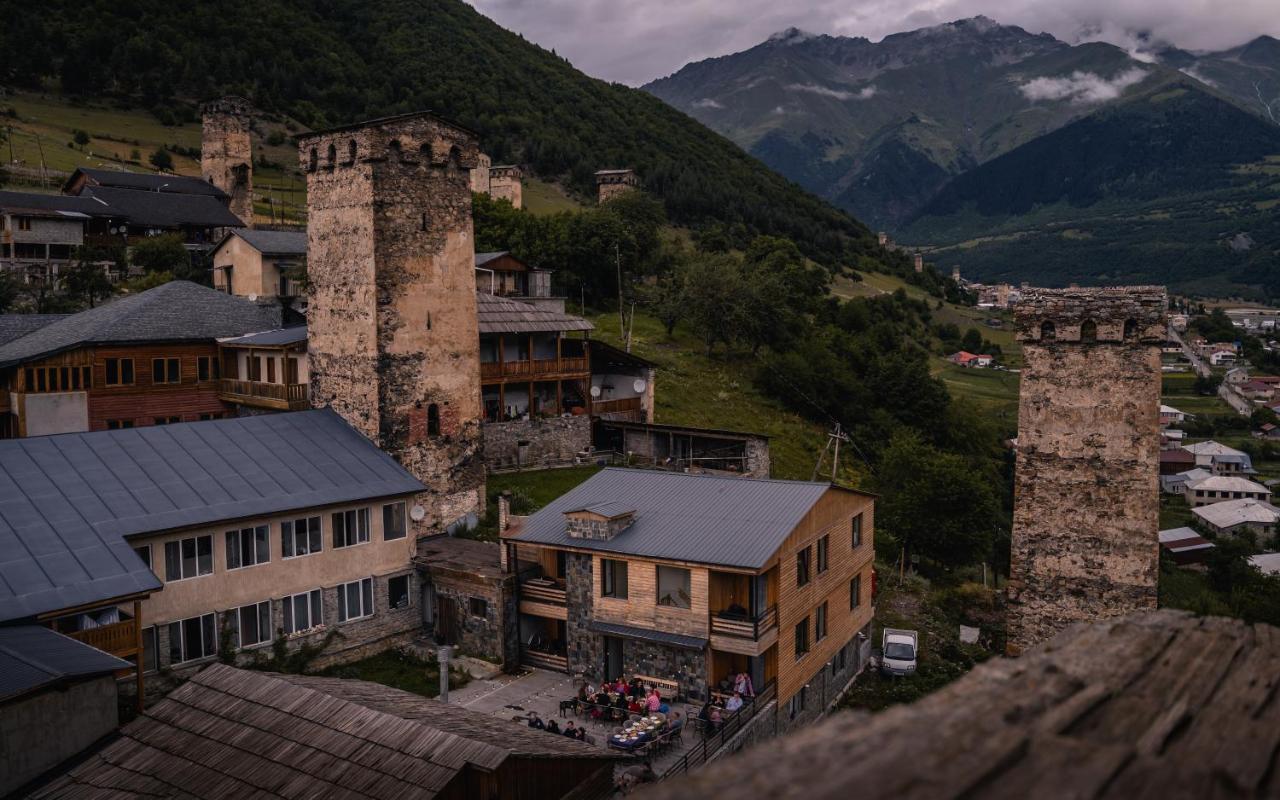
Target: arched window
315, 159
394, 147
1130, 329
351, 151
1089, 331
1048, 332
333, 156
424, 221
433, 420
455, 156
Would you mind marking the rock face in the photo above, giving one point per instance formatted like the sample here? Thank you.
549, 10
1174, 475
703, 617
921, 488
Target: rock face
391, 300
226, 152
1086, 508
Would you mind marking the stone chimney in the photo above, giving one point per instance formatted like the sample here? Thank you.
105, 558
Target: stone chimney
600, 522
504, 511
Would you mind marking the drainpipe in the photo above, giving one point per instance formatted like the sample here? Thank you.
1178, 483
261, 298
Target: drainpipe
443, 660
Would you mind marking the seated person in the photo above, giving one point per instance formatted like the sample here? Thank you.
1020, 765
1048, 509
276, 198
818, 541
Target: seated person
552, 727
664, 708
635, 688
742, 685
570, 730
716, 719
735, 609
734, 703
583, 696
581, 734
654, 701
635, 706
676, 722
534, 722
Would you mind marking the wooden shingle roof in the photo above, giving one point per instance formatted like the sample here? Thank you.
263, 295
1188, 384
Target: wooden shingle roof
501, 315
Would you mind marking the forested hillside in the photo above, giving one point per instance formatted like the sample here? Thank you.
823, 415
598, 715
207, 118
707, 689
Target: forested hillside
333, 62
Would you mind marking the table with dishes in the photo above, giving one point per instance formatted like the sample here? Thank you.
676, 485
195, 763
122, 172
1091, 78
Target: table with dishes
638, 732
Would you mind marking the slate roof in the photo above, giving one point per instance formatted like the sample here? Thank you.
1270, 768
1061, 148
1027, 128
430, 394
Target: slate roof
238, 733
165, 184
485, 258
55, 202
708, 519
178, 311
502, 315
272, 338
166, 209
68, 501
33, 656
15, 326
273, 243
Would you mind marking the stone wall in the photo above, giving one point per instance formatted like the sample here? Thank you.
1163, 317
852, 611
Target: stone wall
480, 175
39, 732
226, 152
759, 465
550, 441
585, 649
1086, 507
614, 183
687, 667
504, 184
482, 636
391, 298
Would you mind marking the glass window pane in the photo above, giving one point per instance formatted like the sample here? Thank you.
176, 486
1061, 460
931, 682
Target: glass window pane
317, 617
263, 542
126, 370
192, 638
301, 621
172, 561
339, 525
248, 625
233, 550
232, 621
175, 642
188, 557
313, 546
174, 375
286, 539
204, 547
366, 596
210, 634
157, 370
149, 649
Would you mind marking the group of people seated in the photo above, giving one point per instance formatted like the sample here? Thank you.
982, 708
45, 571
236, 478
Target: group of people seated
551, 726
620, 699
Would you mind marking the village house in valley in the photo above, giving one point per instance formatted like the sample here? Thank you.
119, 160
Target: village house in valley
257, 263
691, 579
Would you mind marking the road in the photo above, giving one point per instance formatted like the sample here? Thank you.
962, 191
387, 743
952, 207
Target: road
1239, 403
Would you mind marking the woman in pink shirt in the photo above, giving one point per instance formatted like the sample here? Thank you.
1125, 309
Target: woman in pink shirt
655, 700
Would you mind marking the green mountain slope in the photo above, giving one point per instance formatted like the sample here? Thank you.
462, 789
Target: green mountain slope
343, 60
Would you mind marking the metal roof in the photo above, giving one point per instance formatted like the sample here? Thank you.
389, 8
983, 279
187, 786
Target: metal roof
273, 338
274, 243
1230, 513
610, 510
708, 519
178, 311
165, 209
55, 202
502, 315
646, 635
32, 656
135, 181
485, 258
68, 501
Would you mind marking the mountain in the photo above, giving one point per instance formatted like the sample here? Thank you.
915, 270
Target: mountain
343, 60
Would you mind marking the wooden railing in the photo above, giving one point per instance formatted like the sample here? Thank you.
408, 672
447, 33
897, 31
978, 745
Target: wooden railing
537, 658
627, 405
745, 628
542, 593
118, 638
291, 396
493, 370
700, 752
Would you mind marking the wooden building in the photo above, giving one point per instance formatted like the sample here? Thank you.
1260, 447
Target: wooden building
695, 578
266, 370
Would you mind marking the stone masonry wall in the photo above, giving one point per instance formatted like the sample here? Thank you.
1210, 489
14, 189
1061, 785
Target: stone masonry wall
1086, 507
688, 667
391, 298
584, 648
504, 184
226, 152
759, 464
482, 636
555, 440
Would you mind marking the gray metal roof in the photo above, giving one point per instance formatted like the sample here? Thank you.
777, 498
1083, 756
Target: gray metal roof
67, 502
55, 202
708, 519
134, 181
273, 338
178, 311
502, 315
606, 509
32, 656
646, 635
166, 209
275, 243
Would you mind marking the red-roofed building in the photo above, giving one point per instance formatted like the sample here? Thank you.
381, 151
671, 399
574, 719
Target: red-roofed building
966, 359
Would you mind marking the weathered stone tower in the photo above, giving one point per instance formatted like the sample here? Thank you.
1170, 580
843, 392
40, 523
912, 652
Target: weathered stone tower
480, 175
226, 152
613, 182
918, 261
391, 317
1086, 498
504, 184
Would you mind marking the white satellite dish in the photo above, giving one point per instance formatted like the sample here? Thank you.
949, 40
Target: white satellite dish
417, 513
595, 391
638, 385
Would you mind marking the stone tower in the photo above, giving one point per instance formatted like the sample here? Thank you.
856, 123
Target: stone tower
480, 175
613, 182
504, 184
226, 152
391, 317
1086, 497
918, 261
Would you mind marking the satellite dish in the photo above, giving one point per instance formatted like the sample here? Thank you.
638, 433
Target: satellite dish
471, 521
253, 298
417, 513
638, 385
595, 391
115, 229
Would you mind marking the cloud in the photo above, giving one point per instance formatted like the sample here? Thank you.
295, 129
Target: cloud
1082, 87
707, 102
639, 40
838, 94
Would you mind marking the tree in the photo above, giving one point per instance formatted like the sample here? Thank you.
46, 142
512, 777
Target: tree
81, 137
665, 299
87, 282
713, 294
972, 341
161, 160
162, 254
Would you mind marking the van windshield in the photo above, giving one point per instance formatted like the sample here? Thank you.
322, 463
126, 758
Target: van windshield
899, 652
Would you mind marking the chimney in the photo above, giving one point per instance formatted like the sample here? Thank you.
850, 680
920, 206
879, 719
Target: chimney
504, 511
600, 522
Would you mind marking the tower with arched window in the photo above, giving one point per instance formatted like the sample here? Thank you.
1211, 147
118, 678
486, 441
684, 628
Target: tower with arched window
1086, 501
391, 317
226, 152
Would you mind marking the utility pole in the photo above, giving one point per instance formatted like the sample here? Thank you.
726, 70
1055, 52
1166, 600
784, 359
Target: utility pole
617, 256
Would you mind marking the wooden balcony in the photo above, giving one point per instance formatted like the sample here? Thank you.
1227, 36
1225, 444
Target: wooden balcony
538, 590
278, 396
118, 639
542, 367
753, 629
628, 409
552, 661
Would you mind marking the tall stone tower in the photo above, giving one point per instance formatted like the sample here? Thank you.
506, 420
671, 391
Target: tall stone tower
391, 317
504, 184
226, 152
613, 182
1086, 495
480, 175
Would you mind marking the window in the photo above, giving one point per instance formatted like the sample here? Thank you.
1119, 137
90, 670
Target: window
300, 537
1130, 329
857, 531
248, 546
433, 420
841, 661
302, 612
57, 379
250, 624
167, 420
350, 527
1048, 332
271, 370
165, 370
188, 558
192, 638
208, 416
822, 554
355, 599
1089, 331
207, 368
119, 424
24, 223
855, 591
797, 702
119, 371
803, 559
673, 587
479, 607
802, 637
393, 525
144, 554
150, 649
613, 578
820, 622
398, 592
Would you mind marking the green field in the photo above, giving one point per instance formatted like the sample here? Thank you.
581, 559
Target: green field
540, 486
995, 391
541, 197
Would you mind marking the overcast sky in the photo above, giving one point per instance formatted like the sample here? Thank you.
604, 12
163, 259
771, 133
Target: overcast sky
635, 41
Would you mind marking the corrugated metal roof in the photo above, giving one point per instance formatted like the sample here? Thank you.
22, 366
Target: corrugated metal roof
502, 315
277, 338
68, 501
646, 635
56, 202
166, 209
606, 509
32, 656
737, 522
135, 181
